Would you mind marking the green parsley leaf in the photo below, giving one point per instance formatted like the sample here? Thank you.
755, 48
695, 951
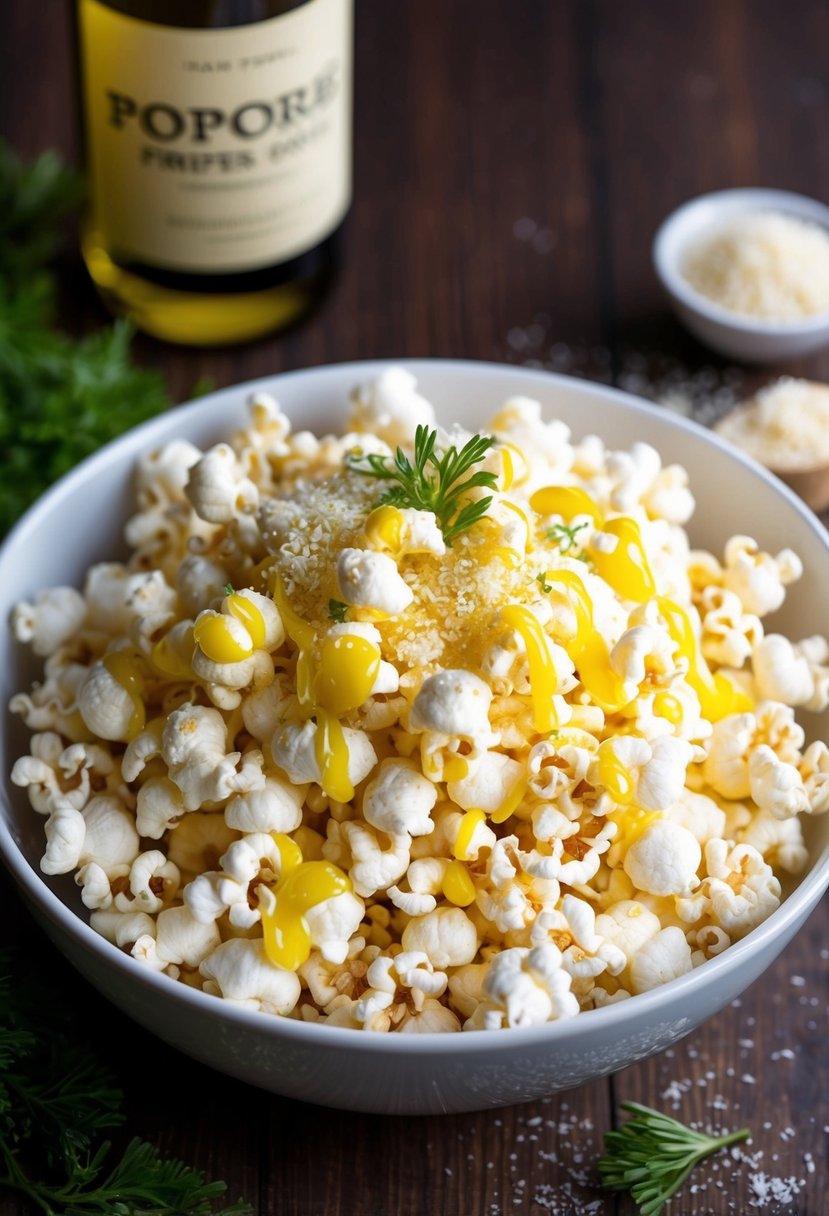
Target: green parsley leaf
433, 481
543, 584
337, 610
564, 536
35, 199
61, 398
55, 1100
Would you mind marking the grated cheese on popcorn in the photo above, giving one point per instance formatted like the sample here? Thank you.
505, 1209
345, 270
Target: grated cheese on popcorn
316, 756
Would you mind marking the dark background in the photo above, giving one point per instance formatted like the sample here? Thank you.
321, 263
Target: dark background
512, 164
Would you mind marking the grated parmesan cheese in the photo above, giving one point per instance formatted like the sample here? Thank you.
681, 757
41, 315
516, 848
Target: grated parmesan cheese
767, 266
786, 426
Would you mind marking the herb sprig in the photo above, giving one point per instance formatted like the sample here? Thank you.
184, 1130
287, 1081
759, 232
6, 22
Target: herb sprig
55, 1100
337, 611
61, 398
652, 1155
433, 481
565, 536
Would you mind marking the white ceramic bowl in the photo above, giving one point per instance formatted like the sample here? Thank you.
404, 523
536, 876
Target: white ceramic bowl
79, 522
728, 333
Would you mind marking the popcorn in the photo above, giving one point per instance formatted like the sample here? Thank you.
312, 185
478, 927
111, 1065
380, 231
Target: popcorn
316, 754
55, 616
239, 971
525, 987
664, 860
218, 488
370, 580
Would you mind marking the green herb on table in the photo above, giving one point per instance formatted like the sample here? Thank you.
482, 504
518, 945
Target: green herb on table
652, 1155
433, 482
55, 1100
61, 398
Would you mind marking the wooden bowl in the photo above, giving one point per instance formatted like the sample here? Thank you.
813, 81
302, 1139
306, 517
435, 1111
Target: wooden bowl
803, 467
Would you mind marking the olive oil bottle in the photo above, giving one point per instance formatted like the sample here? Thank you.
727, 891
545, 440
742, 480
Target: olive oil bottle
218, 150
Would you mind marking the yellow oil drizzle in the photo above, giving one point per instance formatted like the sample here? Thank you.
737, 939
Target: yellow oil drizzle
469, 823
212, 635
341, 679
543, 678
346, 672
454, 769
384, 528
511, 803
303, 636
566, 501
522, 515
669, 707
457, 885
249, 615
587, 648
331, 751
125, 671
302, 885
167, 660
718, 696
632, 822
626, 569
613, 775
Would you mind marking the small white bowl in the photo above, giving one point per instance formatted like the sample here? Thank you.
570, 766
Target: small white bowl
80, 521
729, 333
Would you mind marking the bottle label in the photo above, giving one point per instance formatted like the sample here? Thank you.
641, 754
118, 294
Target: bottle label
217, 150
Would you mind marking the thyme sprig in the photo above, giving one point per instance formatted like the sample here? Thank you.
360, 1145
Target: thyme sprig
565, 536
652, 1154
435, 481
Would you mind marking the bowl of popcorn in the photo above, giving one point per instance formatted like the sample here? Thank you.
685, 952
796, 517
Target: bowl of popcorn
417, 738
747, 272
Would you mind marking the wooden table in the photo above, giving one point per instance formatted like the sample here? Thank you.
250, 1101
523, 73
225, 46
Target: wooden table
512, 164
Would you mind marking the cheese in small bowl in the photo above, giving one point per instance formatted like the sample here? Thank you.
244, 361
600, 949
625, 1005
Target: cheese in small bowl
785, 426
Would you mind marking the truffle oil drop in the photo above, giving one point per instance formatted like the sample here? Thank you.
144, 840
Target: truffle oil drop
218, 147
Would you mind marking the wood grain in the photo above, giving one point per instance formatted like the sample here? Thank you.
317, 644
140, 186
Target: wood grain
512, 164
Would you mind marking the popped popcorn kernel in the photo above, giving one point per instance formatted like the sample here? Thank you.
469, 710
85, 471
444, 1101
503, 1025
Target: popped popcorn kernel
334, 744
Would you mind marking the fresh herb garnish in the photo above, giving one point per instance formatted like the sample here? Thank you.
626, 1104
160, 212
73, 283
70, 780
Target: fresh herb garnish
434, 482
55, 1100
543, 584
61, 398
564, 536
652, 1155
229, 589
337, 610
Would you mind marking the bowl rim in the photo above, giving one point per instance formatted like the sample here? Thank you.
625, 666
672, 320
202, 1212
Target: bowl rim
614, 1016
669, 239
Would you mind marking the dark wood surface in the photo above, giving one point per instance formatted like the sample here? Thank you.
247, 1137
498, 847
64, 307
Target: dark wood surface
512, 164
